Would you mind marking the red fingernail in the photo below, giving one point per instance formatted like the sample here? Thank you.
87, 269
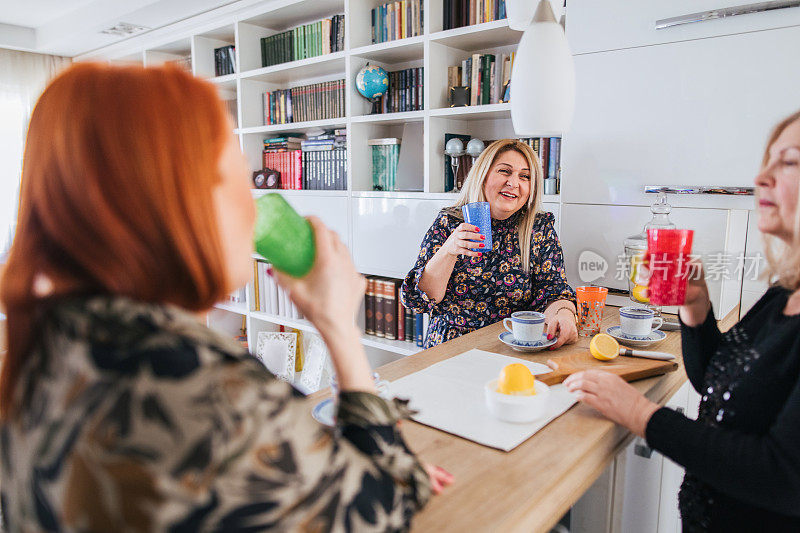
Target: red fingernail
480, 255
269, 270
477, 229
483, 238
480, 245
549, 336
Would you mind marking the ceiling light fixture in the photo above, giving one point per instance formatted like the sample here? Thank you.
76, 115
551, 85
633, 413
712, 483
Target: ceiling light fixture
543, 77
124, 29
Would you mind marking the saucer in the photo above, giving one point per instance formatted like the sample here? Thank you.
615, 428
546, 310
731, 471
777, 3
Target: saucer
636, 341
508, 339
324, 413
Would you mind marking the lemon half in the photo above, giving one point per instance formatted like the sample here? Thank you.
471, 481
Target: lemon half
604, 347
516, 379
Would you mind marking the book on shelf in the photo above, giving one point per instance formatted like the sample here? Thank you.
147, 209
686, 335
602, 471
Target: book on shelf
317, 101
397, 20
269, 297
384, 313
549, 151
224, 60
325, 36
308, 163
405, 92
488, 77
459, 13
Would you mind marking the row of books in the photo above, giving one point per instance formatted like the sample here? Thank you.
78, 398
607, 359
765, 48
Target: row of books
547, 148
309, 40
487, 75
405, 92
386, 317
397, 20
268, 296
224, 60
314, 163
549, 151
458, 13
236, 298
317, 101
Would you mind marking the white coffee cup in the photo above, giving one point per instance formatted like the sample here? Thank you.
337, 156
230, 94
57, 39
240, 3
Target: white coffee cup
526, 326
638, 321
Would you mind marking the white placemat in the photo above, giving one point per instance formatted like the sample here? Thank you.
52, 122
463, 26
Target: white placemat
449, 396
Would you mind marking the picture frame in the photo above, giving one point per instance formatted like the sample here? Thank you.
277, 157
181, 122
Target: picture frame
277, 351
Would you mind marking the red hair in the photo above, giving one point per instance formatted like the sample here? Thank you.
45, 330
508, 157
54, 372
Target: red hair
116, 197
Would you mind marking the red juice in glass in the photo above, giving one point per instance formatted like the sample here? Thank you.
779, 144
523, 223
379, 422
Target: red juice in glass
668, 254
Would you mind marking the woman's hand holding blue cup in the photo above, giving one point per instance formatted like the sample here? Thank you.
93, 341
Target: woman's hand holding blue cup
462, 241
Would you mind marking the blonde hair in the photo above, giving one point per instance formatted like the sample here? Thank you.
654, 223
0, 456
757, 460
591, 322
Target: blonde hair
473, 188
783, 260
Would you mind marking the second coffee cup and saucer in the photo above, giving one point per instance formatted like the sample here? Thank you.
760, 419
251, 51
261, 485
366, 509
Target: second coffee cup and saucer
526, 332
638, 328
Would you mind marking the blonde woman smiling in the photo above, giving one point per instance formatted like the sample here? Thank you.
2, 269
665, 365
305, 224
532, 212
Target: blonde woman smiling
463, 289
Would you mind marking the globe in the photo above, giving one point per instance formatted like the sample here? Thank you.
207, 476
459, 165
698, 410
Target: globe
372, 81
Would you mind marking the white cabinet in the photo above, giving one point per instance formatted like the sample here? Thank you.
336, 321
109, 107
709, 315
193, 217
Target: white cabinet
594, 26
688, 113
387, 232
753, 287
602, 229
332, 210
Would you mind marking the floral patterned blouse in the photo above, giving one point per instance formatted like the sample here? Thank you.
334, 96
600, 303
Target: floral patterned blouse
482, 291
136, 417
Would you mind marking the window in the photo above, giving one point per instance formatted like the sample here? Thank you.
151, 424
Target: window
12, 126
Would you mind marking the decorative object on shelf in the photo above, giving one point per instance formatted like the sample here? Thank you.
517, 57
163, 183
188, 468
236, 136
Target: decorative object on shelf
283, 237
545, 73
458, 96
475, 148
455, 149
550, 186
267, 179
316, 369
372, 82
276, 351
385, 155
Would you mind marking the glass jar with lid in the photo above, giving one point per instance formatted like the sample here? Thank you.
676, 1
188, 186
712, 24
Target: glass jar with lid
636, 245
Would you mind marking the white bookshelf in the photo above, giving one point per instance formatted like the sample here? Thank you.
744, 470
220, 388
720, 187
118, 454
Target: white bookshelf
435, 50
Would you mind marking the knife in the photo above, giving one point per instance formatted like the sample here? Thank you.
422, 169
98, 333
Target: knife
648, 355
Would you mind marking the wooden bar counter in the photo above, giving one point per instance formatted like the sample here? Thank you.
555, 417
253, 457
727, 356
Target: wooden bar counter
530, 488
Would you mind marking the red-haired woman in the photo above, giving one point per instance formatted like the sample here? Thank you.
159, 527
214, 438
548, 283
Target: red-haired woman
120, 410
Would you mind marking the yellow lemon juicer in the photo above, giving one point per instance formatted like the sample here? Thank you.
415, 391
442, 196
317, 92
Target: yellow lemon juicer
516, 379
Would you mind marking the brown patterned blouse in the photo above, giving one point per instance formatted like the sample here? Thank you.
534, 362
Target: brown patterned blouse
135, 417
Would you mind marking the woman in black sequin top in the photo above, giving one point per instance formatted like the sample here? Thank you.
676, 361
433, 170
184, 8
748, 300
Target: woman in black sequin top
742, 454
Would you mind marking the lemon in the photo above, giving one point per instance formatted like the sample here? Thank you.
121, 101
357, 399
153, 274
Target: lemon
604, 347
636, 260
516, 379
640, 294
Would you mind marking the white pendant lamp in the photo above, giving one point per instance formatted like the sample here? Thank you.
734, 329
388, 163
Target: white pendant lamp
543, 78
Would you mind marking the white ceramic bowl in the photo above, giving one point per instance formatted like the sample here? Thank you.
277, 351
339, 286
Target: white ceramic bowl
518, 409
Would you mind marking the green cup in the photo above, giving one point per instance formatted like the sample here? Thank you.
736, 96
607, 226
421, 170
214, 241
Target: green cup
283, 237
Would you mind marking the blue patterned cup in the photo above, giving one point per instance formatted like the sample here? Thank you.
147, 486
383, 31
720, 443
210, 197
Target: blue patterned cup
638, 322
479, 214
526, 326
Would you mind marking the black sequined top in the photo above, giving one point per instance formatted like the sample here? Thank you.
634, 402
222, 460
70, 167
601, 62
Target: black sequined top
742, 454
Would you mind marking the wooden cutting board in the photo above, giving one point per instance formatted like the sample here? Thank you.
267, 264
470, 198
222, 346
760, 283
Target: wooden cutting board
628, 368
